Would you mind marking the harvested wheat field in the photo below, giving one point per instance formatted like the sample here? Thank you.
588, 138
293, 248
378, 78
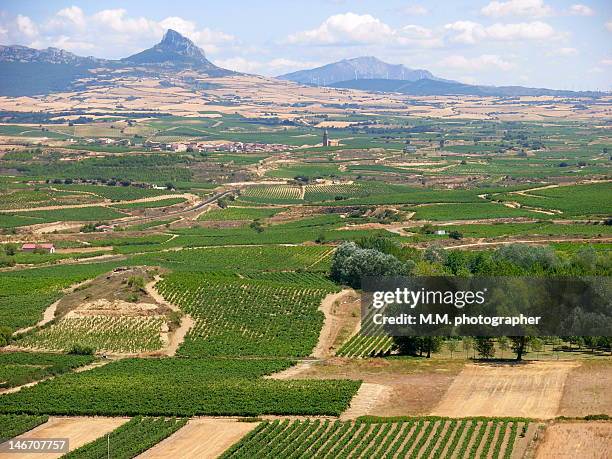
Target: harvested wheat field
523, 390
573, 440
201, 438
587, 389
78, 430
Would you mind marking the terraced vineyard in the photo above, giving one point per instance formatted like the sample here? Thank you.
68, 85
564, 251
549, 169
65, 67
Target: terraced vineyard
248, 316
438, 438
103, 333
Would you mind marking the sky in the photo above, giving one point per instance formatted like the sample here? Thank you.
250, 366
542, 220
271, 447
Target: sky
542, 43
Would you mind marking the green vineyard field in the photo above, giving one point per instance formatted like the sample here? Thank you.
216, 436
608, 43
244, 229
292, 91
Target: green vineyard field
129, 440
182, 387
247, 316
432, 438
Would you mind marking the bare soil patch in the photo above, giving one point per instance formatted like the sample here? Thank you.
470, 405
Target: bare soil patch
587, 389
524, 390
114, 293
415, 385
368, 397
572, 440
200, 438
78, 431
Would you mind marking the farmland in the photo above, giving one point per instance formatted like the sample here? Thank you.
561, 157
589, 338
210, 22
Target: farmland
181, 387
195, 302
21, 368
12, 425
130, 439
247, 317
414, 438
103, 333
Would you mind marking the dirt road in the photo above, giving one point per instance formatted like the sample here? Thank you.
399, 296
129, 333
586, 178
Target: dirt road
332, 325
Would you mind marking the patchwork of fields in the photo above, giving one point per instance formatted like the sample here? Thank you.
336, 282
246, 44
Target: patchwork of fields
181, 310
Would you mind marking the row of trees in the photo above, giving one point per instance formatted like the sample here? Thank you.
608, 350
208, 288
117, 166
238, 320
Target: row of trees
381, 256
486, 347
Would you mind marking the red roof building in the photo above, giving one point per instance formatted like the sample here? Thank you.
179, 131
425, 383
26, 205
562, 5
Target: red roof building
30, 247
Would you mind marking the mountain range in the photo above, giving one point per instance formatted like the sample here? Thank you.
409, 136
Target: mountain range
428, 87
372, 74
28, 71
359, 68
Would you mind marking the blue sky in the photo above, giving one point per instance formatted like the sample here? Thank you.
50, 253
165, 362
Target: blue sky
554, 43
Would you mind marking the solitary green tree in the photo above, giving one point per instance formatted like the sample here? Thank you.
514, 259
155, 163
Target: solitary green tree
519, 346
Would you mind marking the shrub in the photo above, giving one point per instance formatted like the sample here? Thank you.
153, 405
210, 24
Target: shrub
79, 349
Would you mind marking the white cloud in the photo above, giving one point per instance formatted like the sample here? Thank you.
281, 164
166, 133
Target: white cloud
74, 15
581, 10
353, 29
531, 8
609, 25
481, 62
606, 61
345, 28
26, 26
470, 32
70, 28
414, 10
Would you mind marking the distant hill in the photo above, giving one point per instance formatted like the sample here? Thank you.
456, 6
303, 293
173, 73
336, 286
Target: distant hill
27, 71
359, 68
176, 51
25, 55
426, 87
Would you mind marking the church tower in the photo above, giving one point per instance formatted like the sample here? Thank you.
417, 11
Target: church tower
325, 138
